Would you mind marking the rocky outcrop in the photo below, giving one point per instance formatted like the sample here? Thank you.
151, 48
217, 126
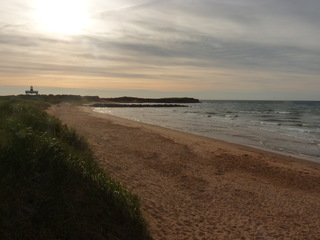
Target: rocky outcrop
152, 100
117, 105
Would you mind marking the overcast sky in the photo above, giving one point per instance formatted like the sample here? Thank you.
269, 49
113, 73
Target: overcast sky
210, 49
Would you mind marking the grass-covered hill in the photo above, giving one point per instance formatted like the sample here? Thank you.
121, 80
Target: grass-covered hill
50, 186
53, 99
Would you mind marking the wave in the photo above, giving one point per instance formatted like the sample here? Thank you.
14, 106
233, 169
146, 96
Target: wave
211, 113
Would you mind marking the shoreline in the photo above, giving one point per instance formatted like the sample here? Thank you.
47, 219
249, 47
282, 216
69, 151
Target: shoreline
293, 156
194, 187
298, 156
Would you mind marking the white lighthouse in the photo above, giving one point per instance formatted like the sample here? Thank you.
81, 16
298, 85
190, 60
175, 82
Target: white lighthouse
31, 92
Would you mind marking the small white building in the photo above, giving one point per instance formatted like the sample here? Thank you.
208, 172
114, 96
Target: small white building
31, 92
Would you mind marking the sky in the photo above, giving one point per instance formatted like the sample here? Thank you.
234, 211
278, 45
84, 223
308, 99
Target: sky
208, 49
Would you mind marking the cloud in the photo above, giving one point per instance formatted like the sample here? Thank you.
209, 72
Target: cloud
206, 43
129, 6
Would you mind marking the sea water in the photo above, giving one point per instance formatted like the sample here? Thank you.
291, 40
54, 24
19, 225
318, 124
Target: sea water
289, 127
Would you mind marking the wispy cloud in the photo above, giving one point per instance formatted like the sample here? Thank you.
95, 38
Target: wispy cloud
206, 44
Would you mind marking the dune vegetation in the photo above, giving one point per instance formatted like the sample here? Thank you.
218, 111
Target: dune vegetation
50, 185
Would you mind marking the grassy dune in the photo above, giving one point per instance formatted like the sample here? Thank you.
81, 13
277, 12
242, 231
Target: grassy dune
50, 186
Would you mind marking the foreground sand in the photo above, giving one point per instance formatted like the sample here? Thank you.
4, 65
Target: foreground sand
194, 187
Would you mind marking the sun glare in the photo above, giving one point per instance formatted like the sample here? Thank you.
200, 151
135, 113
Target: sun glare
62, 16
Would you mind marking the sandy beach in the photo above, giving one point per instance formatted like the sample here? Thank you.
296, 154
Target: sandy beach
193, 187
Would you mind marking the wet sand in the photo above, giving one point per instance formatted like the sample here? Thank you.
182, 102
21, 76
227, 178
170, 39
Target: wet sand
193, 187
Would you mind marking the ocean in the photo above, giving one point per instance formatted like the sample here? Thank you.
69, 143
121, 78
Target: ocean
288, 127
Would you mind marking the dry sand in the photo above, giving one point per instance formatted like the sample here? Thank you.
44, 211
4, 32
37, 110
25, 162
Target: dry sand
193, 187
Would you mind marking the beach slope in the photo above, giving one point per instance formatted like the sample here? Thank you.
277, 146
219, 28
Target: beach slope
193, 187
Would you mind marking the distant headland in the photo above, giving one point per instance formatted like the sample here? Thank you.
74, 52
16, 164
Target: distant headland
152, 100
96, 101
141, 102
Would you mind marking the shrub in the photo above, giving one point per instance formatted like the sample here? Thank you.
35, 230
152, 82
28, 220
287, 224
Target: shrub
50, 186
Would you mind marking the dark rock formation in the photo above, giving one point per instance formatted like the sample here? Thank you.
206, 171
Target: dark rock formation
152, 100
117, 105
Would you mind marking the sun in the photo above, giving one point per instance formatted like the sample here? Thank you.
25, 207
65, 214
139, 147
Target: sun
62, 16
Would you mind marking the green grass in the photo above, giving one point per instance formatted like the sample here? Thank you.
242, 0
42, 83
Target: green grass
50, 186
